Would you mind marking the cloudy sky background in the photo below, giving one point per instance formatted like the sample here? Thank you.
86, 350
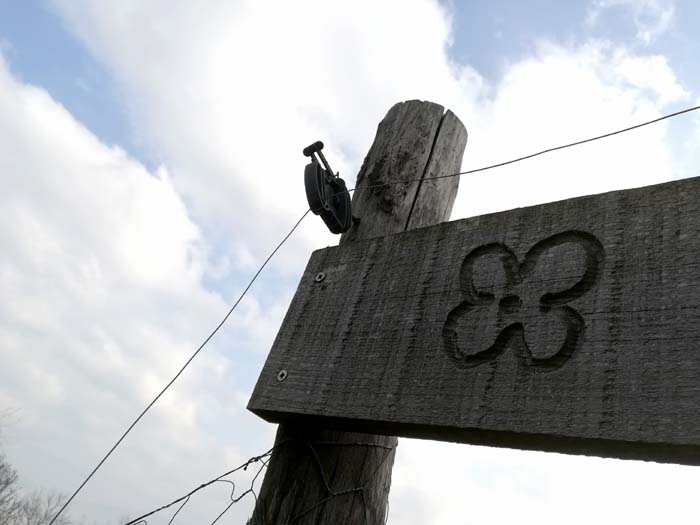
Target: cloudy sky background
150, 158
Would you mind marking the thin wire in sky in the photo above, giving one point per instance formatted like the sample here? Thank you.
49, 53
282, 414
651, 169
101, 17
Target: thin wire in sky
191, 358
536, 154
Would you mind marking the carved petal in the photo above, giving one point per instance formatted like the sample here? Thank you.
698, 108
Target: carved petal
488, 272
562, 267
474, 334
551, 336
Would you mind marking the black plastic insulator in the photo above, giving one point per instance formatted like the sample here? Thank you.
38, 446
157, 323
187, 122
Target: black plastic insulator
313, 148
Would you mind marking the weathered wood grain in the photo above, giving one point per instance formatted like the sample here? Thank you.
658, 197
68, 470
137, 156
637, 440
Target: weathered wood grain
413, 140
572, 327
436, 196
389, 178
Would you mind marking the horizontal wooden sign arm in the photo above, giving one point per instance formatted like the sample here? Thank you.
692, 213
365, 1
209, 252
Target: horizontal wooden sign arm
572, 327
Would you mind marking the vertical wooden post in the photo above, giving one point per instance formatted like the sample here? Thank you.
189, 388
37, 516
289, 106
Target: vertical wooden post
319, 476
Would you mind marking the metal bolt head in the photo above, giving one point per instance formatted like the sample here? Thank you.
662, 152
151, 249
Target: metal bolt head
320, 276
282, 375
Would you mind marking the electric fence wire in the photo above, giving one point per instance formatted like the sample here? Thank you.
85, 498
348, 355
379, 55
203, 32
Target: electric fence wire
286, 237
182, 369
536, 154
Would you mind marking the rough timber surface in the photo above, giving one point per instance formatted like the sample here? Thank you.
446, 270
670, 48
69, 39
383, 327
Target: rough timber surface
572, 326
414, 140
389, 179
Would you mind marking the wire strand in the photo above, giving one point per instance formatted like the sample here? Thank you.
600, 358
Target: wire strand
263, 460
182, 369
187, 496
536, 154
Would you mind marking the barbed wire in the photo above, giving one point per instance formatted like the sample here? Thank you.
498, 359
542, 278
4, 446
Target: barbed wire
141, 520
179, 509
263, 460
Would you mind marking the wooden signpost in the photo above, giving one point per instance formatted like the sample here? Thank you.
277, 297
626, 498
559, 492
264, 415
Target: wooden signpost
572, 327
317, 475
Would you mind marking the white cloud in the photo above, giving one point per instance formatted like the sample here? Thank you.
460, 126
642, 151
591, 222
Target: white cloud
443, 484
100, 275
562, 95
105, 261
652, 73
652, 18
229, 95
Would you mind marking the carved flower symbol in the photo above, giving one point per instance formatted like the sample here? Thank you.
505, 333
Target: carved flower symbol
524, 303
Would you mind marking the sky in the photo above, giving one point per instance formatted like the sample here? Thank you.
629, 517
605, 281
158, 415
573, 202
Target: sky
150, 159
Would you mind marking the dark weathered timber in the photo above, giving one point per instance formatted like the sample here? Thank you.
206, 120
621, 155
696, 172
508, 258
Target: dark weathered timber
413, 141
389, 178
572, 327
437, 195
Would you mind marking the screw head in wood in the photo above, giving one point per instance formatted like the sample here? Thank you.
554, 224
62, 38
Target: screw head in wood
320, 276
282, 375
